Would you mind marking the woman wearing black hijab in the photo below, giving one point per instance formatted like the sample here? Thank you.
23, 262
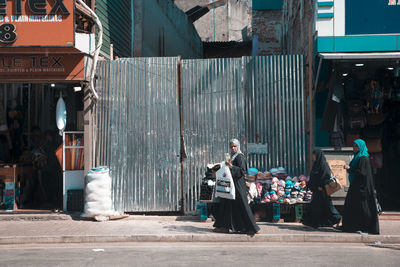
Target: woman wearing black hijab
360, 211
321, 211
236, 214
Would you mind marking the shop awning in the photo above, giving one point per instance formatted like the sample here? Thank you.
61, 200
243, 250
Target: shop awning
347, 56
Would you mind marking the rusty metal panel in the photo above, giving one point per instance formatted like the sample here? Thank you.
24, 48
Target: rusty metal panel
138, 132
212, 115
275, 112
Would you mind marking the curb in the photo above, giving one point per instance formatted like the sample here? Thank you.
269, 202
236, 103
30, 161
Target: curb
351, 238
70, 217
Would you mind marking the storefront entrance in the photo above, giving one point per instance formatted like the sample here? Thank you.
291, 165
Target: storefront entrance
31, 169
359, 97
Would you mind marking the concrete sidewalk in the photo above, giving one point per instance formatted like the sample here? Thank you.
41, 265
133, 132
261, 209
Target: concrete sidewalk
62, 228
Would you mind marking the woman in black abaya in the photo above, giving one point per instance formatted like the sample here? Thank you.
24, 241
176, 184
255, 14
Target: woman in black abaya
360, 211
236, 214
321, 211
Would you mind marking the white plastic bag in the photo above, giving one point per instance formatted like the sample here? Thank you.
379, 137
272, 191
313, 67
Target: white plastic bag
98, 193
61, 114
224, 186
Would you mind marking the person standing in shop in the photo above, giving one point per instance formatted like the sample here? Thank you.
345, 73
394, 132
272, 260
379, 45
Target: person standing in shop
35, 190
321, 212
236, 214
4, 151
360, 210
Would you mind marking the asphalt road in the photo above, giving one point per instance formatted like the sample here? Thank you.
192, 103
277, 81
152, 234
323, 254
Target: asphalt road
200, 254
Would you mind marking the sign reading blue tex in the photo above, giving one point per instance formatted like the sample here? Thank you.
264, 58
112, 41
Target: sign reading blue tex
372, 16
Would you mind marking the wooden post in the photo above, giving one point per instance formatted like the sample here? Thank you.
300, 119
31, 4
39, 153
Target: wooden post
88, 114
111, 52
182, 155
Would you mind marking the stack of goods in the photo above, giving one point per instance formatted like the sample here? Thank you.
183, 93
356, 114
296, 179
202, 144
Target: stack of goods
276, 186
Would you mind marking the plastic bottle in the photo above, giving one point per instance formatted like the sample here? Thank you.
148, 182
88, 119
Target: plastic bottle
228, 157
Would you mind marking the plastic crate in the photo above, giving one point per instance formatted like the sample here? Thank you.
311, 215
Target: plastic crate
202, 210
75, 200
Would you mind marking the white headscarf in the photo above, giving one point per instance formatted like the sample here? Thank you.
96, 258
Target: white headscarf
237, 144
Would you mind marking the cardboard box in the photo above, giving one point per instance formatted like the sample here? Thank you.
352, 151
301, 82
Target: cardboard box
337, 167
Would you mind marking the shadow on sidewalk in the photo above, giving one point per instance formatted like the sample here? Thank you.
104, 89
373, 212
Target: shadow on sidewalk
187, 229
299, 227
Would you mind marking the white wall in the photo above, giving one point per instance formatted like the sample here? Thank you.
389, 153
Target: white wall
331, 26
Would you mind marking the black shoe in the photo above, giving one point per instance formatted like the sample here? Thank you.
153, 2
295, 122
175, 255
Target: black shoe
338, 228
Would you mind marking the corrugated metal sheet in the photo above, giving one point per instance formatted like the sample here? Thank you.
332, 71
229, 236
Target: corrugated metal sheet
138, 132
116, 18
212, 115
275, 112
258, 100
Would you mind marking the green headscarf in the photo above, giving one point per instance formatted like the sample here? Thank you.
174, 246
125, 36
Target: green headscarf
363, 152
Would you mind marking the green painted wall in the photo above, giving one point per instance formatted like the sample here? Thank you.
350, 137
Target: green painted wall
162, 29
267, 4
115, 15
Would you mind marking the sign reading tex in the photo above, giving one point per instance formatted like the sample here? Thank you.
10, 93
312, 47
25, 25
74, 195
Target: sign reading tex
41, 67
36, 23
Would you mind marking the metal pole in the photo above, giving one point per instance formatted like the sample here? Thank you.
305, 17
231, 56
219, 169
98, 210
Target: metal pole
318, 71
29, 115
63, 169
182, 152
310, 97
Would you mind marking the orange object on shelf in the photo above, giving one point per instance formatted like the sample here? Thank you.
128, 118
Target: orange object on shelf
73, 154
74, 157
59, 154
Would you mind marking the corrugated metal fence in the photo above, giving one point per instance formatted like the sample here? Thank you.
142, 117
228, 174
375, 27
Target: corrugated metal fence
275, 113
258, 100
138, 132
213, 113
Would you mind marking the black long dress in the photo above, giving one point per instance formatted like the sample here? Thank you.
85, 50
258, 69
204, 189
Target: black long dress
360, 212
236, 214
321, 212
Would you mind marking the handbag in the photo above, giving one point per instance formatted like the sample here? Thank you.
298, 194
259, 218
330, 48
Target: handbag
333, 186
337, 140
376, 160
374, 145
374, 119
355, 106
356, 122
224, 186
350, 139
373, 132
